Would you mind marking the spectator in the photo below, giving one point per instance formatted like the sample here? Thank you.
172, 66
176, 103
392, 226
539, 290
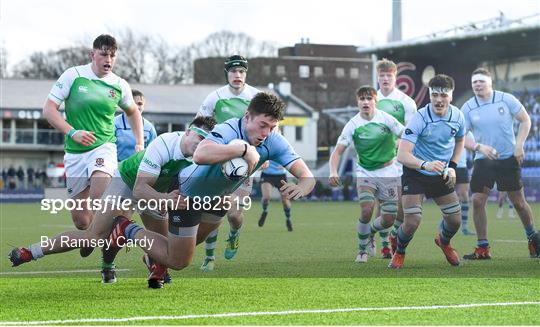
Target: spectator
20, 177
30, 177
4, 177
11, 178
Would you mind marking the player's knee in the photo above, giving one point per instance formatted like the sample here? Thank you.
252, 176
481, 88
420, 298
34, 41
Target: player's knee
479, 201
413, 211
366, 213
234, 215
450, 209
387, 220
81, 225
366, 198
389, 208
180, 264
81, 222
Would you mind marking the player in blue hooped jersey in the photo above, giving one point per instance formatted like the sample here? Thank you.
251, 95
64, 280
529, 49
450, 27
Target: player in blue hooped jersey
205, 181
490, 116
431, 146
125, 141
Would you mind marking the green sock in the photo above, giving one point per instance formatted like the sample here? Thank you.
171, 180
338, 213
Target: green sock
210, 244
105, 265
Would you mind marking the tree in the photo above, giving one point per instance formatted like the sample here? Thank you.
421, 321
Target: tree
133, 59
51, 65
144, 58
172, 65
3, 62
225, 43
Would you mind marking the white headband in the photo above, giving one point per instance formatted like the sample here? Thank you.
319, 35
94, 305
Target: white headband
440, 90
481, 77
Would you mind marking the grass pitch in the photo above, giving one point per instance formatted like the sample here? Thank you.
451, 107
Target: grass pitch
278, 277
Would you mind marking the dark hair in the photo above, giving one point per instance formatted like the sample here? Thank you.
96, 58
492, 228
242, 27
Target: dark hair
481, 70
105, 42
267, 104
366, 90
205, 122
441, 80
235, 61
137, 93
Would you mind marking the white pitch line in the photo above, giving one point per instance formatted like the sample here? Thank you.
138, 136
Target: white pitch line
511, 241
54, 272
268, 313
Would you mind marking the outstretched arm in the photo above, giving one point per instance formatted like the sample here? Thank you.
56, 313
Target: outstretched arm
335, 158
306, 181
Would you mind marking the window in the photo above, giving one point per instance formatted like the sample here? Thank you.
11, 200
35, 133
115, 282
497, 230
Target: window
24, 124
298, 133
24, 132
46, 134
340, 72
178, 127
161, 128
303, 71
266, 70
280, 70
354, 73
318, 71
6, 133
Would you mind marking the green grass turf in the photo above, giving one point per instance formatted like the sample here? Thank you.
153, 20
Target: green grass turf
310, 268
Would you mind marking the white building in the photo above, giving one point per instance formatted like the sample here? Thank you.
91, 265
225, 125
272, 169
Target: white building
28, 140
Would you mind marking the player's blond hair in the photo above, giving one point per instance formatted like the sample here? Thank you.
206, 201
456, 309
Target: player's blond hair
386, 65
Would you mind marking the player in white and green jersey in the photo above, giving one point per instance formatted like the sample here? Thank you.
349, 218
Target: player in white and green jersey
147, 175
91, 94
398, 104
373, 134
229, 101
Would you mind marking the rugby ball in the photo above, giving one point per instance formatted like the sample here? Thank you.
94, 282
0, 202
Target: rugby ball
236, 168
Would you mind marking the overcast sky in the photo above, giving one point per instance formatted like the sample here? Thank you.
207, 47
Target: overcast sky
33, 25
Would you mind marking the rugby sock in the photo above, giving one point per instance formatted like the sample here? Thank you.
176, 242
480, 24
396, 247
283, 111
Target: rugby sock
107, 265
265, 205
287, 212
132, 230
384, 238
108, 255
529, 231
397, 223
402, 240
210, 244
36, 250
364, 231
464, 213
482, 243
446, 232
233, 232
376, 226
